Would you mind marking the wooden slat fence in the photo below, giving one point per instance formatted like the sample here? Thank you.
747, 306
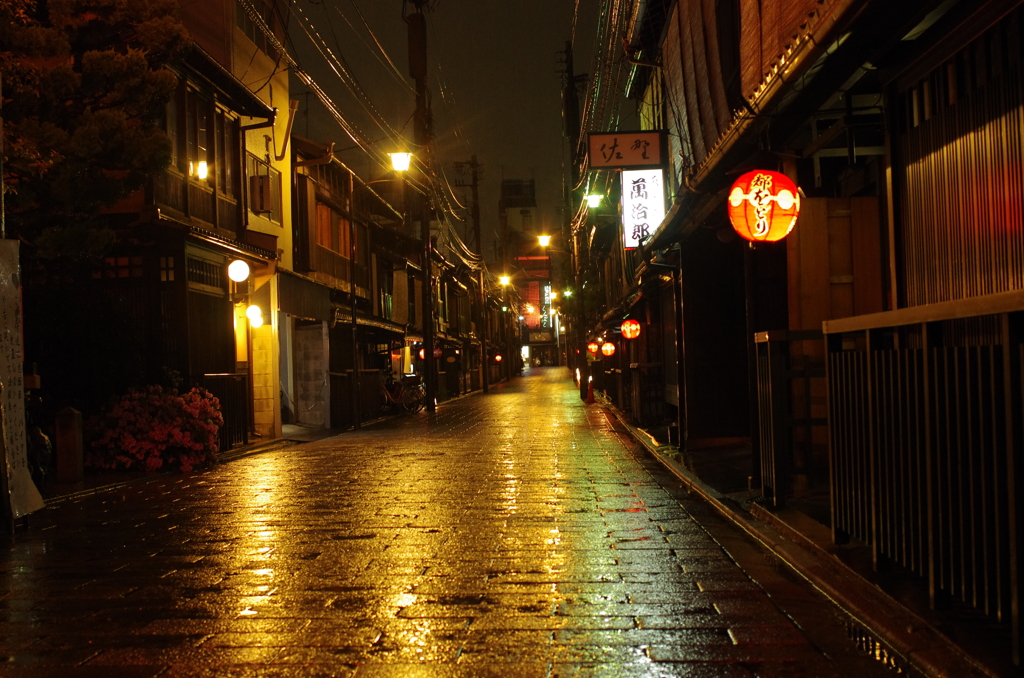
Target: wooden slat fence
235, 405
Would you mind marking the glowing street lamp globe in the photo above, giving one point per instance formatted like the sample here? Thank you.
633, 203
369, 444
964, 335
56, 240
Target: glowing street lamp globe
400, 161
238, 270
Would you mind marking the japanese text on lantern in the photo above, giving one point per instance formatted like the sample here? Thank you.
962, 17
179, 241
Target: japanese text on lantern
643, 205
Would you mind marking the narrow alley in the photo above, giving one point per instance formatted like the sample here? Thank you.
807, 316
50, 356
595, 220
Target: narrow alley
453, 544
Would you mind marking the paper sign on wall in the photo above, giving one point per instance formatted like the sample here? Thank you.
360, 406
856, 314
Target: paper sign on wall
24, 496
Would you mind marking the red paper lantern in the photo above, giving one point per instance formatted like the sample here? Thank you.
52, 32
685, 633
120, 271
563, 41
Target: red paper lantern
763, 206
423, 356
608, 348
630, 329
438, 353
593, 347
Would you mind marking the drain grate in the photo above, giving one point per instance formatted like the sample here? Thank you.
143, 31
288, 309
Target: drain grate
877, 650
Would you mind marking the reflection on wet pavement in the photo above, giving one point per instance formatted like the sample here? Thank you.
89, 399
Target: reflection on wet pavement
512, 534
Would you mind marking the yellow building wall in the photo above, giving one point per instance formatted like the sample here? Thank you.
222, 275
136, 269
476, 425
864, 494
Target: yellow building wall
266, 367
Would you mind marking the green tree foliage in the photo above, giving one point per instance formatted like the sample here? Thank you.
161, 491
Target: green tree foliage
84, 87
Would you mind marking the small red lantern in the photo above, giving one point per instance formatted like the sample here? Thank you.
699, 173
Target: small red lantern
630, 329
593, 347
423, 355
608, 348
438, 353
497, 358
763, 206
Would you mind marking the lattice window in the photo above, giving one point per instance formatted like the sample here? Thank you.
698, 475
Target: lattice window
119, 267
205, 276
166, 269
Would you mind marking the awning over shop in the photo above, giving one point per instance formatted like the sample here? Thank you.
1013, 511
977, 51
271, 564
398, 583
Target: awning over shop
303, 298
343, 315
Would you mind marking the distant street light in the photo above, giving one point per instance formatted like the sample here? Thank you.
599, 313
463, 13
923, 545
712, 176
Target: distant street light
504, 280
544, 240
594, 200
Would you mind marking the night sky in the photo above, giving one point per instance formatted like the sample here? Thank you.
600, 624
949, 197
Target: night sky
494, 80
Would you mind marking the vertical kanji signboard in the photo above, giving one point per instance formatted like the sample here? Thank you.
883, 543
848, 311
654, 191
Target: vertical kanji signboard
643, 205
22, 496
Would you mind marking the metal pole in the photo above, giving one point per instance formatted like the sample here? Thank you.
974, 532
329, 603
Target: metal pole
3, 210
428, 313
677, 292
357, 399
417, 33
484, 326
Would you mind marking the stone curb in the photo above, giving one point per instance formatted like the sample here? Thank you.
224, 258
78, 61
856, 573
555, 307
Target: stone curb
910, 637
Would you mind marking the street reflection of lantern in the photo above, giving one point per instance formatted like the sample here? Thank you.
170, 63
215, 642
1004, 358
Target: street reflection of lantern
593, 347
608, 348
763, 206
630, 329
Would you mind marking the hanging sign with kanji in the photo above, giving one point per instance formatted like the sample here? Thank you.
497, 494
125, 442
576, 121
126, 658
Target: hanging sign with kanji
643, 205
624, 150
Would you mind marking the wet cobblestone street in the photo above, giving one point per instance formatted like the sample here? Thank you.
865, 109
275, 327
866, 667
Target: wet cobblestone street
511, 534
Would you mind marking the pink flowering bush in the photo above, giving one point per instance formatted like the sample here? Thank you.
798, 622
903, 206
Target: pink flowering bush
153, 429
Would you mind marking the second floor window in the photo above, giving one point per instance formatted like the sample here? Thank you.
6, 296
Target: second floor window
197, 136
265, 9
333, 230
385, 287
204, 140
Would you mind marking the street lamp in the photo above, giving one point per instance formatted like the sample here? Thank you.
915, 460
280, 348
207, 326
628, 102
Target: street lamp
544, 240
238, 271
594, 200
400, 161
504, 281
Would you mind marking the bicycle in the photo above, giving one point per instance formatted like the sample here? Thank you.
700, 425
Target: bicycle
407, 392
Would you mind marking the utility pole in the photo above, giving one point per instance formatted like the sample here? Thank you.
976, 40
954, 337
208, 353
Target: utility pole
476, 244
573, 198
422, 138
